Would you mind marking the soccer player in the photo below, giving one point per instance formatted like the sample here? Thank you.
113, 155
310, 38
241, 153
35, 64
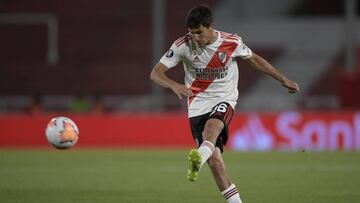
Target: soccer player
211, 77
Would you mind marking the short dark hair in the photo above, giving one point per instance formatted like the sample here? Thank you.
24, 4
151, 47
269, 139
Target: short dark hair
199, 15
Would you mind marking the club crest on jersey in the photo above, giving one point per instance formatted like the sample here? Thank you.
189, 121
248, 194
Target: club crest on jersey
222, 56
196, 59
169, 53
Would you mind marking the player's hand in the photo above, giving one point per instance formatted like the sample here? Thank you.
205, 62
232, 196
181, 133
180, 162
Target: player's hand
293, 87
181, 90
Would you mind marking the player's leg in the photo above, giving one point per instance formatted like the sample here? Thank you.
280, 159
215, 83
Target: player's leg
206, 130
227, 188
217, 123
197, 157
217, 166
212, 129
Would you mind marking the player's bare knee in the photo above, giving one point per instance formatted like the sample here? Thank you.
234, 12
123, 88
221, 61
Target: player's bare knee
210, 135
212, 129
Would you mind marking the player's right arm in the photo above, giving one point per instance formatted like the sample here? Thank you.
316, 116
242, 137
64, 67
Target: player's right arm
158, 76
169, 60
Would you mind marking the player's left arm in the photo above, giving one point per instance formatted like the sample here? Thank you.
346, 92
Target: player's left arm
261, 64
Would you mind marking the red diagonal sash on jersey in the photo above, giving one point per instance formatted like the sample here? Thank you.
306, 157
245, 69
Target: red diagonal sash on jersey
215, 62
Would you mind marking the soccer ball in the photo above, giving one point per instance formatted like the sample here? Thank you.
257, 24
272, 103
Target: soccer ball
62, 132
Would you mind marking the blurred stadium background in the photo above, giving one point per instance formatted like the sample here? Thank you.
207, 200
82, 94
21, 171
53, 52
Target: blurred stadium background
91, 60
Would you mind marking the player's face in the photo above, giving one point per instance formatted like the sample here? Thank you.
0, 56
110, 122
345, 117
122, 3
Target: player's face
202, 35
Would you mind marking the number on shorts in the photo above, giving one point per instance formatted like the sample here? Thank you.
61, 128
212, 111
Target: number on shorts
221, 108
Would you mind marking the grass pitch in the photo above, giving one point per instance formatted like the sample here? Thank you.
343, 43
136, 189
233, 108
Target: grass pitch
155, 176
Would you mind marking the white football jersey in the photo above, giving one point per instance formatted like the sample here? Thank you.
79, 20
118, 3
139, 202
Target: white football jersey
211, 72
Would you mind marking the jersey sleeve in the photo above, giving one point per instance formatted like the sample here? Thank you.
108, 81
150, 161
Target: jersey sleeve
172, 57
242, 50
